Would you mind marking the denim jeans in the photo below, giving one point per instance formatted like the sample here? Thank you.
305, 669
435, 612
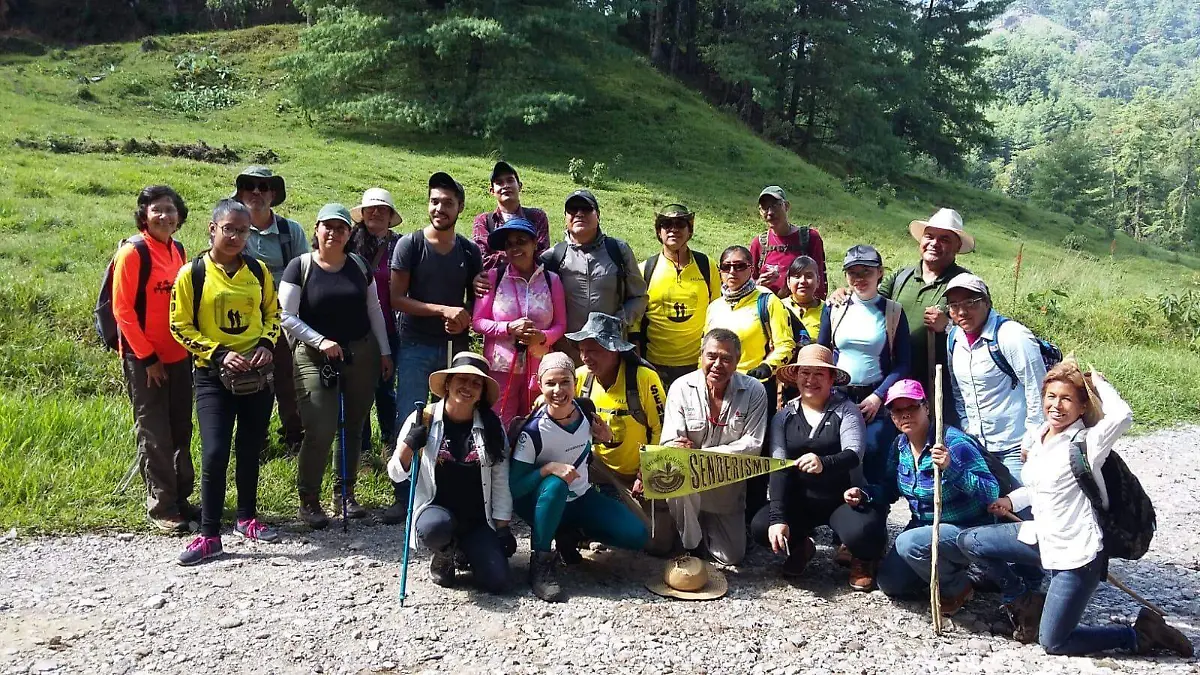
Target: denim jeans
993, 548
437, 528
1067, 598
385, 405
907, 568
1012, 461
415, 362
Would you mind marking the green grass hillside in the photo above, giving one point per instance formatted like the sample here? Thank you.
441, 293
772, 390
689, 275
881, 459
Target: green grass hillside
64, 426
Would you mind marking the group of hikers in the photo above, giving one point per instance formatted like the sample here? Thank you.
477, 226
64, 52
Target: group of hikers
587, 356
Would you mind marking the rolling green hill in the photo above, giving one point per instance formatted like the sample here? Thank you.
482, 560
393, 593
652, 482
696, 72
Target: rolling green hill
70, 176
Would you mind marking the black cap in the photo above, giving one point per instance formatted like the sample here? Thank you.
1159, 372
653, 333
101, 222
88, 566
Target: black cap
862, 254
441, 179
502, 167
585, 195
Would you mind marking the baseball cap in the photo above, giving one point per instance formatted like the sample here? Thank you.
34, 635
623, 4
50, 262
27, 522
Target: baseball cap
969, 282
441, 179
773, 191
585, 195
910, 389
862, 254
502, 167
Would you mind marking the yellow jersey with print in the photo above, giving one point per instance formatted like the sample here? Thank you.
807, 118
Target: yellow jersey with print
236, 312
629, 435
742, 318
674, 320
809, 316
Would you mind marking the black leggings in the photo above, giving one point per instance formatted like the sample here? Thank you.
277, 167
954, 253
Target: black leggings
216, 411
863, 530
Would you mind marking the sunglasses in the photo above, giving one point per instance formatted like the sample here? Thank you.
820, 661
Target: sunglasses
734, 266
674, 224
255, 186
574, 209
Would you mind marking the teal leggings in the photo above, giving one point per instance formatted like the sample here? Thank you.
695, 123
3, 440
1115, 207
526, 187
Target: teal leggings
601, 518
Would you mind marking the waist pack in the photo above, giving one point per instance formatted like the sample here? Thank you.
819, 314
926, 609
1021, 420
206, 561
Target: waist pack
1129, 522
249, 382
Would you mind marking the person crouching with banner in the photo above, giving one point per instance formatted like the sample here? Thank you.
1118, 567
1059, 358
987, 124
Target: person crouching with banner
549, 478
719, 409
968, 487
822, 432
462, 501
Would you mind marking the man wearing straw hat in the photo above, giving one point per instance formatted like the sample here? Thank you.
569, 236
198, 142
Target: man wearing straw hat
715, 519
968, 487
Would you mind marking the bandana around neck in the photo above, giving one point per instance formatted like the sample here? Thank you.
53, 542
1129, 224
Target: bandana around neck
732, 297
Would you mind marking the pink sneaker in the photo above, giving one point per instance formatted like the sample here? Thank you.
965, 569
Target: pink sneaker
252, 530
202, 548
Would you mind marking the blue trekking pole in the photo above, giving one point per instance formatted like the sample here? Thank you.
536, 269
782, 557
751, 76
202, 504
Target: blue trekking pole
342, 443
412, 496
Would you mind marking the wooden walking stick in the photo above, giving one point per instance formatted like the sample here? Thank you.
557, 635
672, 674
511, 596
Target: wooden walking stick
935, 594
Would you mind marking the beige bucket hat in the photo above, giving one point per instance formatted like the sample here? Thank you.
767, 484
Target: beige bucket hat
948, 220
377, 197
689, 578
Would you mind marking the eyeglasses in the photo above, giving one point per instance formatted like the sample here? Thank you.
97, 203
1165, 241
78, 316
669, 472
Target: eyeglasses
255, 186
575, 209
235, 232
734, 266
965, 305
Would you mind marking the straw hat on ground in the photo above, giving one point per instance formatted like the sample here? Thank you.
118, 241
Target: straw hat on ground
689, 578
816, 356
466, 363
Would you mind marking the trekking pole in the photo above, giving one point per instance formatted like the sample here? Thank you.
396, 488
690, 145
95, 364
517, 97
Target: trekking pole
342, 443
413, 474
935, 594
1113, 580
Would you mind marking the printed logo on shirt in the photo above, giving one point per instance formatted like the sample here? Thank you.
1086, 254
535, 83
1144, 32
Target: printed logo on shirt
233, 312
164, 286
679, 303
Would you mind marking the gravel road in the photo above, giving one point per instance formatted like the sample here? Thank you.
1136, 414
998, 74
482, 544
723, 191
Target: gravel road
326, 603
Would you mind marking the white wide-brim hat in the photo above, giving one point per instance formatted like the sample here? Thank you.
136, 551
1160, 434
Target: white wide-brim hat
944, 219
377, 197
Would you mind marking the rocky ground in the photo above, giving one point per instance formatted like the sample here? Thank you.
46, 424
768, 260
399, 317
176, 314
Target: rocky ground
327, 603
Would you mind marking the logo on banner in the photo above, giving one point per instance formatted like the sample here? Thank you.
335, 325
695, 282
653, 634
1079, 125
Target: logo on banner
674, 472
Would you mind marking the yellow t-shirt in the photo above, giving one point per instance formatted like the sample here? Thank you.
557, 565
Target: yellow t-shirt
235, 312
809, 316
743, 320
628, 435
675, 315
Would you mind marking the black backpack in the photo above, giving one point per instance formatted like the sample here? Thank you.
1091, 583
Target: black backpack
1129, 522
1051, 354
633, 398
103, 318
1003, 476
763, 249
198, 273
648, 272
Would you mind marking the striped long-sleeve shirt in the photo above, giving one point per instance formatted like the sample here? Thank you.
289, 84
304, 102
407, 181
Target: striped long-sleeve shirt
968, 486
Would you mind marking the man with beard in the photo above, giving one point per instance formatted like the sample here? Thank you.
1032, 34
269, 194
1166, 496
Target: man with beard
274, 240
432, 269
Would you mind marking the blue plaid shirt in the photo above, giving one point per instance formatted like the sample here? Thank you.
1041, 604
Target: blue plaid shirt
968, 486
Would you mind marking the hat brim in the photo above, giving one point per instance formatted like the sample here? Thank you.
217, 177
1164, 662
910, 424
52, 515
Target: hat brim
612, 344
917, 228
277, 186
498, 238
716, 587
356, 213
437, 382
787, 374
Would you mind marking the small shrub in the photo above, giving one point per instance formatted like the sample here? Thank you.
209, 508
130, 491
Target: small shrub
202, 82
1075, 242
598, 175
84, 93
855, 185
1182, 312
734, 153
884, 195
1047, 303
577, 169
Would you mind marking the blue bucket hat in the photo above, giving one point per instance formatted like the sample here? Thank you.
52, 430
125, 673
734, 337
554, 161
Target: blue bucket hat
497, 237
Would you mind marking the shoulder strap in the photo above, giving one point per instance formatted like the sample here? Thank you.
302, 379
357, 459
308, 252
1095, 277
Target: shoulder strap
557, 255
179, 249
144, 262
587, 384
891, 318
198, 272
587, 406
702, 263
633, 397
362, 266
998, 356
1082, 470
647, 272
762, 250
618, 257
305, 269
256, 269
474, 267
648, 267
805, 235
500, 269
902, 278
764, 318
835, 321
285, 238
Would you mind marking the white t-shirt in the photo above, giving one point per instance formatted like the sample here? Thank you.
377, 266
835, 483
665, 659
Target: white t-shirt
543, 440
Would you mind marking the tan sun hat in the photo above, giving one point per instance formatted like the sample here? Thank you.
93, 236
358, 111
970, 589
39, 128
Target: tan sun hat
816, 356
948, 220
377, 197
689, 578
466, 363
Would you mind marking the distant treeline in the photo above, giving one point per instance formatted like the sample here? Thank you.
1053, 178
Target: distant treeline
90, 21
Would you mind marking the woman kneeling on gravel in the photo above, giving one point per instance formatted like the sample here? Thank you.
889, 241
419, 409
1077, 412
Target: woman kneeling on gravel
1064, 535
549, 479
462, 502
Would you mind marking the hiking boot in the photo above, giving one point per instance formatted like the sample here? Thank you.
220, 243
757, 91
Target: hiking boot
862, 574
1153, 634
543, 576
798, 560
202, 548
951, 605
842, 557
253, 530
312, 514
171, 524
354, 510
1025, 615
441, 567
394, 514
190, 511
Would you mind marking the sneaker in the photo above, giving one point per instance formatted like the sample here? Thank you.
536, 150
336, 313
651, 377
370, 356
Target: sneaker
862, 574
253, 530
1153, 634
543, 576
394, 514
798, 560
312, 514
202, 548
1025, 615
171, 524
951, 605
842, 558
441, 567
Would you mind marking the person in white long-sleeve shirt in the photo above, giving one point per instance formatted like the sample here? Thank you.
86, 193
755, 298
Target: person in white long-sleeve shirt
1065, 534
997, 371
719, 409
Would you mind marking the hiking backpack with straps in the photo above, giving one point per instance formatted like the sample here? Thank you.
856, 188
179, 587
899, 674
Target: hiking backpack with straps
554, 261
306, 262
1128, 524
198, 272
763, 249
103, 317
1050, 353
648, 272
285, 238
799, 332
633, 398
891, 321
474, 267
519, 424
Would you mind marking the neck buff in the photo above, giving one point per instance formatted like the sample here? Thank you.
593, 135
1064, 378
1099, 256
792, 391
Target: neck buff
732, 297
